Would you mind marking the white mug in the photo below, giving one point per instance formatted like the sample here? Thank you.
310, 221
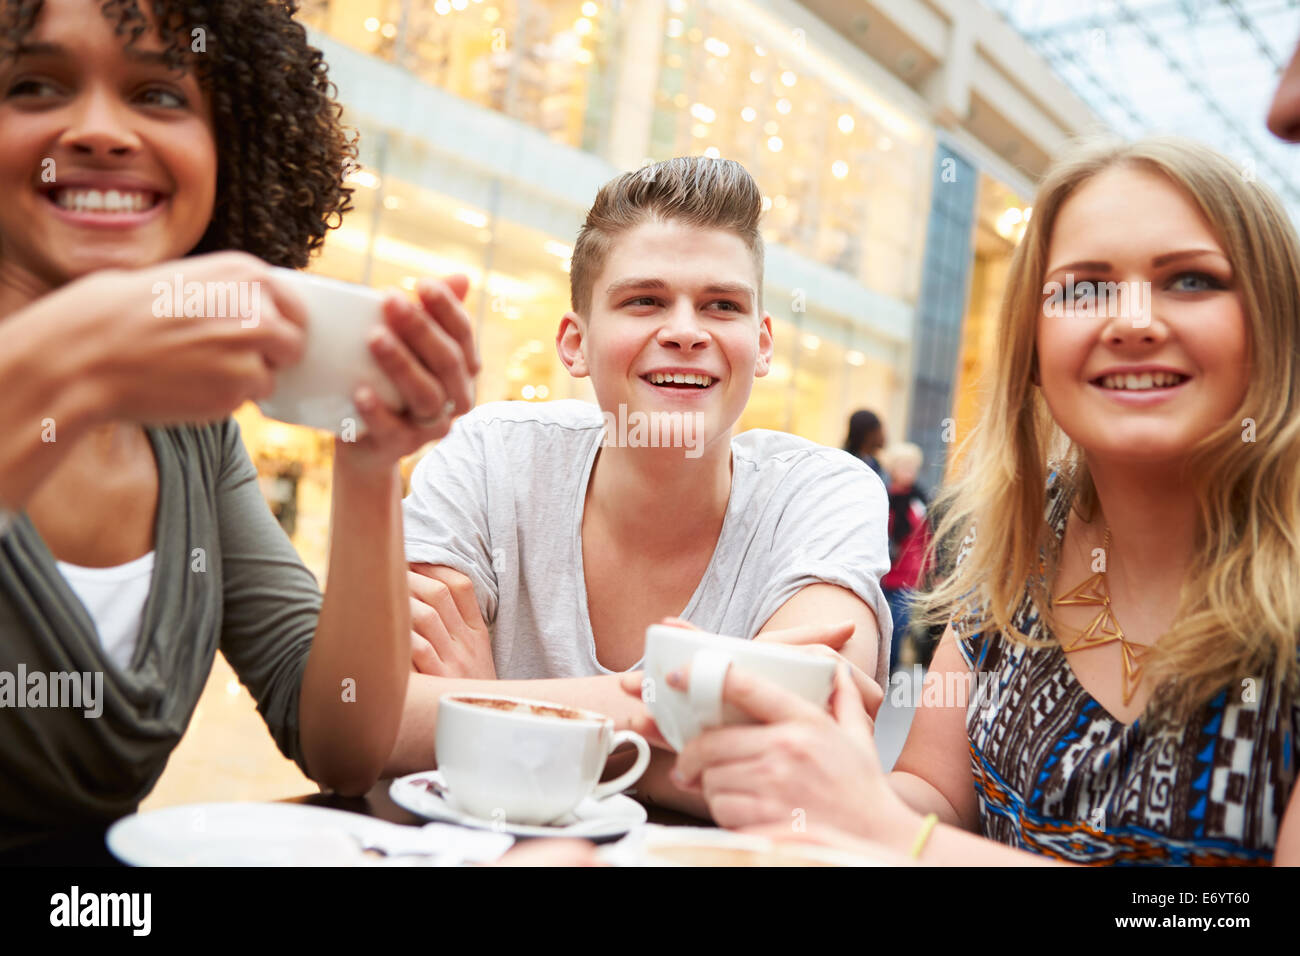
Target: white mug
513, 760
682, 716
318, 390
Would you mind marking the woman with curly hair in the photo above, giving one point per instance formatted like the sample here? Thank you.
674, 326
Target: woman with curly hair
142, 141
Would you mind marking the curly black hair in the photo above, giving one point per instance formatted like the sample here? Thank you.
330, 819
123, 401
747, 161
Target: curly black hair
283, 152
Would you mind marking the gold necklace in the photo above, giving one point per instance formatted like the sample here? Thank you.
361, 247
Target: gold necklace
1104, 629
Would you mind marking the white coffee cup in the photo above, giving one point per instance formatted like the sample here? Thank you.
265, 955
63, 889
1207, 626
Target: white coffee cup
318, 390
513, 760
682, 716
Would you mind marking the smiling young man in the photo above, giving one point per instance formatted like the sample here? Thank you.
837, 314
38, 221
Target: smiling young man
543, 542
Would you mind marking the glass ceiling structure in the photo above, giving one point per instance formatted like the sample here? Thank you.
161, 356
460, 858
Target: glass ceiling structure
1205, 69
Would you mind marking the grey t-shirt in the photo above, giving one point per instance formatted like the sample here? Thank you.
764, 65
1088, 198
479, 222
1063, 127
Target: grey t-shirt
500, 499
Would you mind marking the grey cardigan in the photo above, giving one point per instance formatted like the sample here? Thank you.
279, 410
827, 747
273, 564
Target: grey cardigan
225, 575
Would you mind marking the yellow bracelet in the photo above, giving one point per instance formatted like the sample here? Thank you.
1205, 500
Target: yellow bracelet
926, 826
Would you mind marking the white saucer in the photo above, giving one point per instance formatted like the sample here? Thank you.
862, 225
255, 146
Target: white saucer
591, 820
287, 834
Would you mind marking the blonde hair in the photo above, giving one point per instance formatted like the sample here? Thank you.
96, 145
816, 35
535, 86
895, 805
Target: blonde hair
1239, 606
696, 190
902, 454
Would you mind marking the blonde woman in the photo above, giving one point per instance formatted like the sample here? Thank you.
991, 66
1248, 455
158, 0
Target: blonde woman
1118, 681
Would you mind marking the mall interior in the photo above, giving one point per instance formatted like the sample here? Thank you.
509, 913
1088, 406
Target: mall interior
896, 143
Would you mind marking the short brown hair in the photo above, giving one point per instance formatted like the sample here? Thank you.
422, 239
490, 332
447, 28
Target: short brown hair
696, 190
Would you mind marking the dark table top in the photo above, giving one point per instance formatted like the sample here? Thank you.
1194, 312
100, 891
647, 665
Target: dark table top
87, 847
377, 803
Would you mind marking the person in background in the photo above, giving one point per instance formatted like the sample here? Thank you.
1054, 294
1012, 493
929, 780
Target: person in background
909, 536
865, 439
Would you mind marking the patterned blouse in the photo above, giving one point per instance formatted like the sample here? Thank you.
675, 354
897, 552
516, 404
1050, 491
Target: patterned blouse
1057, 775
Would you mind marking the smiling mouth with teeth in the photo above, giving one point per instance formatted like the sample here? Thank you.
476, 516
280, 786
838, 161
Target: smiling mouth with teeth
679, 379
1140, 381
103, 201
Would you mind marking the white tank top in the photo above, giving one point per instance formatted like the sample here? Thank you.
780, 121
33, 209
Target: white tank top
115, 598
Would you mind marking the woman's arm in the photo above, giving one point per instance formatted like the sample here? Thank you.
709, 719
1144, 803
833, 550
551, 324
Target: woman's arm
944, 846
801, 759
44, 404
949, 846
355, 681
94, 352
1287, 852
933, 773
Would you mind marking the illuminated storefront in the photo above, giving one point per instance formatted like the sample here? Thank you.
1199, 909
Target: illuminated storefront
1000, 219
543, 62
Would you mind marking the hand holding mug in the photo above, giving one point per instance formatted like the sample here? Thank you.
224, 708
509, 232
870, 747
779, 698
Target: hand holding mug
822, 640
427, 352
797, 758
825, 641
683, 719
140, 359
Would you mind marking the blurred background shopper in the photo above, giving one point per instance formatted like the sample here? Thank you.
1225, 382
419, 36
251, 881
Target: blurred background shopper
865, 439
909, 537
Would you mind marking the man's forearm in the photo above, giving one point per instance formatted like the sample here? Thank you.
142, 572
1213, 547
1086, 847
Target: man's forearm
863, 651
830, 605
